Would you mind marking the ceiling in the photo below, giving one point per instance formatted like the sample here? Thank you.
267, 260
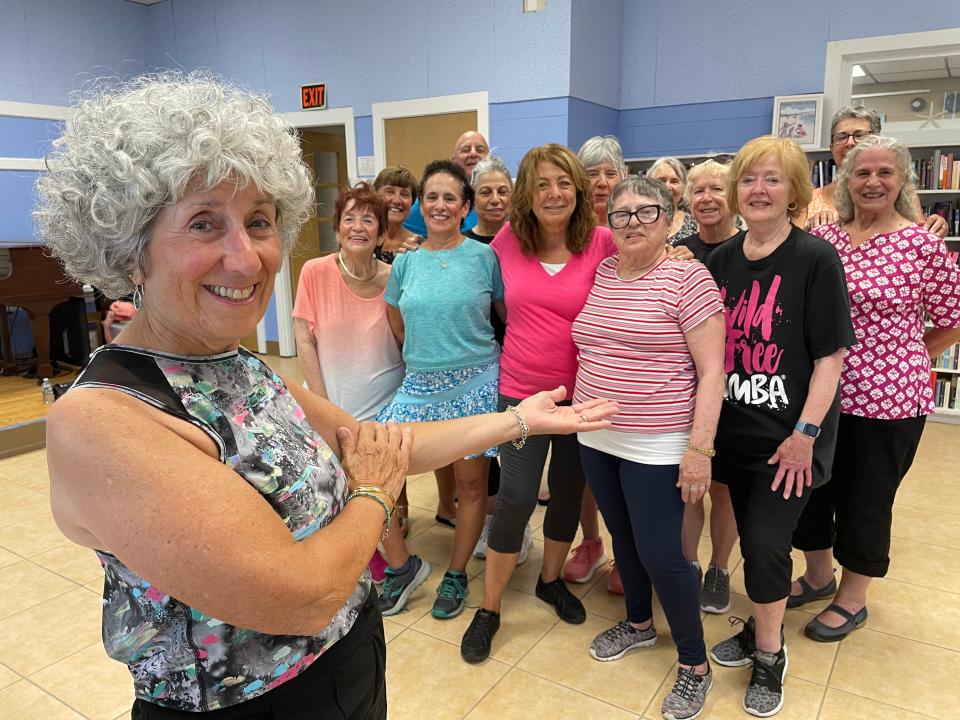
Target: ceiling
907, 70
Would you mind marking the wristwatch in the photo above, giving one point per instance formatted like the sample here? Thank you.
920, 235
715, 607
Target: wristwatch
808, 429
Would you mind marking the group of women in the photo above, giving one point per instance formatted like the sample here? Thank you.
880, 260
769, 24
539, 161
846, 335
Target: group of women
787, 360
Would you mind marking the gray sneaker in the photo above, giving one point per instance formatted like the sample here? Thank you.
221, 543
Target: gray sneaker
397, 587
614, 643
736, 651
715, 593
764, 696
689, 693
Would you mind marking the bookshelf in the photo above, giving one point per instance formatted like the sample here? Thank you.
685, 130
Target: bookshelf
945, 379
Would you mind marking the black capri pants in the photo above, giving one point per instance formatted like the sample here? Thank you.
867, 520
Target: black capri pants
853, 513
348, 681
766, 523
520, 472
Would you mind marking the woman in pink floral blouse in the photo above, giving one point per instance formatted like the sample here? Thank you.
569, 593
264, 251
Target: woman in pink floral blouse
898, 274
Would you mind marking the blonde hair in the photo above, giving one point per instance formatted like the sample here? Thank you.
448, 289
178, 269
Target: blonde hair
708, 167
792, 161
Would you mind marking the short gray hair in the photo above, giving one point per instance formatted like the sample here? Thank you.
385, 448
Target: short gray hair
906, 203
601, 149
132, 148
645, 186
490, 164
673, 164
859, 112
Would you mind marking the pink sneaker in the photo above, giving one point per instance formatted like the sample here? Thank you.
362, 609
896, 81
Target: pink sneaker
378, 567
583, 563
614, 583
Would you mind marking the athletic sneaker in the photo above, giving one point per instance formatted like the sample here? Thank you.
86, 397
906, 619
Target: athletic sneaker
378, 567
698, 573
715, 593
587, 557
614, 583
737, 650
615, 642
764, 696
451, 595
480, 551
478, 639
398, 586
525, 544
568, 606
688, 695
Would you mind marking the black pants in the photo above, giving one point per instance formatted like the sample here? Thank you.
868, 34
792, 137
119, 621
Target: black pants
521, 471
766, 523
853, 513
643, 511
346, 683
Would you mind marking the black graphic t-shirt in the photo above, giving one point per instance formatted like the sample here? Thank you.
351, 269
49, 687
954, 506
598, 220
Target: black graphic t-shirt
782, 312
701, 250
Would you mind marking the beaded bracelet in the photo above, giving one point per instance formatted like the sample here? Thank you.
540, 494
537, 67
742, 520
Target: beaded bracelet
524, 428
379, 490
386, 509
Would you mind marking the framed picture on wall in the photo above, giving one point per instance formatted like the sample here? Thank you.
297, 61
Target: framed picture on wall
798, 117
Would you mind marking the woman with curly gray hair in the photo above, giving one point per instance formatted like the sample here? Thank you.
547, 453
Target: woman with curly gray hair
221, 511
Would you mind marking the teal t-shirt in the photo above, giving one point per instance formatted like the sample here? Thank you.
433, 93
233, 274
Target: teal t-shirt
445, 298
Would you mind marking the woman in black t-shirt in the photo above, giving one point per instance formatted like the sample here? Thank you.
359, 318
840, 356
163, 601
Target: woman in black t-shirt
788, 324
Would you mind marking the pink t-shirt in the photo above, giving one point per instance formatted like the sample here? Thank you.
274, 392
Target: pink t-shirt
359, 358
538, 350
633, 345
894, 280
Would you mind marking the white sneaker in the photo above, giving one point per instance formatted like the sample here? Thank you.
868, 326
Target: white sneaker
525, 545
480, 551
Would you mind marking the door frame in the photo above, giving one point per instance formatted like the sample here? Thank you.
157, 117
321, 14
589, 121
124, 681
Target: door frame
283, 289
439, 105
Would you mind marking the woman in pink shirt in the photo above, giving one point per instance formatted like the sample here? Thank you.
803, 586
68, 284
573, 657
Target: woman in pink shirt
548, 257
897, 275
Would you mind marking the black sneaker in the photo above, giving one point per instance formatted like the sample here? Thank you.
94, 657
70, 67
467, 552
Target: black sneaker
736, 651
567, 605
764, 696
715, 593
478, 639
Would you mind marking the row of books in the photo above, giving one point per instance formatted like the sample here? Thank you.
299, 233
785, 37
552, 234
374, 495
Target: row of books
939, 172
824, 172
946, 393
949, 210
948, 359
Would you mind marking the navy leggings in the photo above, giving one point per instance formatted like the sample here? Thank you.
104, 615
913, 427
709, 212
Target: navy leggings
642, 509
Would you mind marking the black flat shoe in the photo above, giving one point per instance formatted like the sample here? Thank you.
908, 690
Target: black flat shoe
810, 594
449, 522
816, 630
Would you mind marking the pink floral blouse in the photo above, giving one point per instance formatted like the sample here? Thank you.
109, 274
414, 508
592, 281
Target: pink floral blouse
895, 281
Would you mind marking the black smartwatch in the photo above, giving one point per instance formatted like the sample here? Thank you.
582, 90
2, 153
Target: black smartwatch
808, 429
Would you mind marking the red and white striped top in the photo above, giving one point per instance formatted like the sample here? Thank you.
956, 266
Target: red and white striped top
632, 348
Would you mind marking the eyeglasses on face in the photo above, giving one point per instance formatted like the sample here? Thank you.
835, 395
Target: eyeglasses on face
842, 137
722, 159
645, 214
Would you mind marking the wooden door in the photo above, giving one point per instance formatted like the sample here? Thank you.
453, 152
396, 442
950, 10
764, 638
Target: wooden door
415, 141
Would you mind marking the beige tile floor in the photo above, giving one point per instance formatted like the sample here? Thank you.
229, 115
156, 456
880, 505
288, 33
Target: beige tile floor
903, 664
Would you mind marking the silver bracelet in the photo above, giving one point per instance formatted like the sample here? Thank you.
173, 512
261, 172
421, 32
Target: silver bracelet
524, 428
372, 496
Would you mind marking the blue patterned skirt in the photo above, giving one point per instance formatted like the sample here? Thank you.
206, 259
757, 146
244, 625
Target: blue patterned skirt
428, 396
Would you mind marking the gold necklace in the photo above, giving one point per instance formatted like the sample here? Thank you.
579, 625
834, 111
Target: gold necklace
347, 270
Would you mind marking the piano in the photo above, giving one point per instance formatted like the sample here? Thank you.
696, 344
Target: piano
31, 279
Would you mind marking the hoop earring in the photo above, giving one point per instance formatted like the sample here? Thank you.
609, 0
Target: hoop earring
138, 298
792, 207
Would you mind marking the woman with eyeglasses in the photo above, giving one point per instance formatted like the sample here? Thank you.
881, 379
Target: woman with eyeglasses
848, 127
651, 335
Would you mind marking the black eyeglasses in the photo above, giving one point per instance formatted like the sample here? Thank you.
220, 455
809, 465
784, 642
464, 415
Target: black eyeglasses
645, 214
841, 138
722, 159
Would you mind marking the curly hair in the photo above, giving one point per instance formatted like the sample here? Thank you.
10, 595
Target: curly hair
135, 147
906, 203
450, 168
522, 220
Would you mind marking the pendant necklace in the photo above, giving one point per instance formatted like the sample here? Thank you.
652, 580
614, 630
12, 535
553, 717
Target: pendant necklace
347, 270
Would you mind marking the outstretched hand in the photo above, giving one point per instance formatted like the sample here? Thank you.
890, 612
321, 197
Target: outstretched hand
545, 417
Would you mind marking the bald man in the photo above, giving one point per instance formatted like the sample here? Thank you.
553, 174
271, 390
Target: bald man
470, 148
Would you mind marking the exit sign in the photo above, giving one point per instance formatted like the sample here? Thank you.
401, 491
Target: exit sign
313, 97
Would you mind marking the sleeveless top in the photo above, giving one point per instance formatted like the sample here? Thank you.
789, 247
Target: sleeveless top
179, 656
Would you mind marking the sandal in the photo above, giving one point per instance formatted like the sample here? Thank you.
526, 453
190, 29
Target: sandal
816, 630
810, 594
449, 522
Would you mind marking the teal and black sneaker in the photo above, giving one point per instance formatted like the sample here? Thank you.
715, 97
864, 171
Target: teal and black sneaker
451, 595
398, 586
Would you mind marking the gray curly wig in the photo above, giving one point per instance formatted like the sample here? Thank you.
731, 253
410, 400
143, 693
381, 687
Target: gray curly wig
133, 148
906, 203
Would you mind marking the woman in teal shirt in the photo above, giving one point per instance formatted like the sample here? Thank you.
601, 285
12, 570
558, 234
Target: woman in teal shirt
438, 304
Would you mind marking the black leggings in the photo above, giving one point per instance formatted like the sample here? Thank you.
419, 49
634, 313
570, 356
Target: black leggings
521, 471
766, 523
348, 681
853, 513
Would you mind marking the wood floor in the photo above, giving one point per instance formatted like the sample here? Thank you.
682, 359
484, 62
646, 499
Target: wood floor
21, 400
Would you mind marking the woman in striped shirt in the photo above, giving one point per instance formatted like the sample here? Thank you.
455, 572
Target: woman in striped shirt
651, 337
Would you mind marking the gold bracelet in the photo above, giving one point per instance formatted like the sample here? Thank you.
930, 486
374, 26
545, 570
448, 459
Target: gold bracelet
376, 498
524, 428
709, 452
377, 489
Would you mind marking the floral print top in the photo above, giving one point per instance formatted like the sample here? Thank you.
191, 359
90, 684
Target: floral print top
180, 657
895, 280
